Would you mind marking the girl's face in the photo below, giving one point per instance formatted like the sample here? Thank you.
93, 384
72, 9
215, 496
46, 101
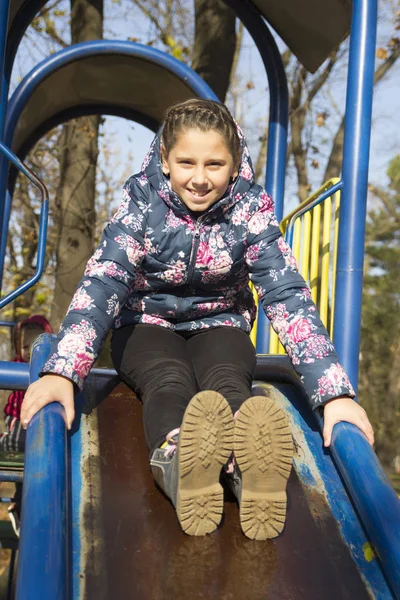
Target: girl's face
28, 336
200, 166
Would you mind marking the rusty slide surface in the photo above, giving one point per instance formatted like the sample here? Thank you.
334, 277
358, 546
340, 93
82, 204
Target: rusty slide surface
134, 547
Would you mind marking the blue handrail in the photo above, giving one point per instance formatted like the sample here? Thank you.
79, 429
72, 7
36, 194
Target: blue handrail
353, 202
373, 495
289, 233
44, 217
278, 122
43, 571
4, 15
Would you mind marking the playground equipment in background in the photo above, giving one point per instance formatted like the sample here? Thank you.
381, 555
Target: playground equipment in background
342, 539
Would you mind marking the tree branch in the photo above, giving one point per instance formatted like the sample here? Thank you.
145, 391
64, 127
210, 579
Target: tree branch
238, 47
262, 156
321, 79
333, 167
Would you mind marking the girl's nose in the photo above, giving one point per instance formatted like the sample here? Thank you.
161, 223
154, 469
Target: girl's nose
199, 175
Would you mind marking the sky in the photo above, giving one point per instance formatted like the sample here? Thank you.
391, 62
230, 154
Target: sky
133, 140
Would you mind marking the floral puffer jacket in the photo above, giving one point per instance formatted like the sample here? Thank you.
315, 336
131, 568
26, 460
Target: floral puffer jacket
157, 264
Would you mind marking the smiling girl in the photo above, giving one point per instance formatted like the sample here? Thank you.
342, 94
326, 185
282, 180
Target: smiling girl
171, 276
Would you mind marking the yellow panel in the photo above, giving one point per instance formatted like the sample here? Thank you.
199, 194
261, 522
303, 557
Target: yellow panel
306, 243
253, 334
273, 342
309, 254
297, 240
336, 199
326, 242
315, 242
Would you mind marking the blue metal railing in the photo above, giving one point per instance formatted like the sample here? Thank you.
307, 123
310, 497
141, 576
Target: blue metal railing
373, 495
13, 375
4, 86
353, 204
4, 13
43, 562
277, 126
44, 216
289, 233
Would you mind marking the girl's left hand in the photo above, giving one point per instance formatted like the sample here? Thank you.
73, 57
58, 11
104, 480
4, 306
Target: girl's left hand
345, 409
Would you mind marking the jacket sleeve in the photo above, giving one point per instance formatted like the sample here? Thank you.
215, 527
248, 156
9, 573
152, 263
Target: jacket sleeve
102, 291
287, 302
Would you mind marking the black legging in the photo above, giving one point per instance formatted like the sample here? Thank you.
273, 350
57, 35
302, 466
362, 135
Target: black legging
166, 369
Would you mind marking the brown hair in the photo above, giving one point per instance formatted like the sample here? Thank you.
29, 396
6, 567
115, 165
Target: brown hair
206, 115
36, 323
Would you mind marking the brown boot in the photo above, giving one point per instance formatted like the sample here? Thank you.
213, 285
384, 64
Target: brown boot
190, 477
263, 450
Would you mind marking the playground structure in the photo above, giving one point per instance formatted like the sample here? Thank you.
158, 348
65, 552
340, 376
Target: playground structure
94, 525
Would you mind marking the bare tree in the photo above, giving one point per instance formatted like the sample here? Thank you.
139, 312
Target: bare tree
75, 200
214, 44
333, 167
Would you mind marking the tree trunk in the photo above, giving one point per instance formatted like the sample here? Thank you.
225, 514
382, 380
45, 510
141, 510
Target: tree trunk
214, 44
75, 200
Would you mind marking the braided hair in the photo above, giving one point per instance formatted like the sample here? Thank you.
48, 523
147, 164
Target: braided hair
205, 115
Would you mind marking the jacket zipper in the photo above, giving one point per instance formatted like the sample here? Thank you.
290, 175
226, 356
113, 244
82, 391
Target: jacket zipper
193, 254
192, 262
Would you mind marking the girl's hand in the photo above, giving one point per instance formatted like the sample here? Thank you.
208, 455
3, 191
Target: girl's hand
345, 409
49, 388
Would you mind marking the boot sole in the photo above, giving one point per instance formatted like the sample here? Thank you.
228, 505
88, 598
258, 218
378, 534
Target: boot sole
263, 449
205, 444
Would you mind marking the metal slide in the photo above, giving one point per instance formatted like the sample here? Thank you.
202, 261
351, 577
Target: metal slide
95, 527
127, 542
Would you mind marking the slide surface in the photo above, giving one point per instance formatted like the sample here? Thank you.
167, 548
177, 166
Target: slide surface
127, 542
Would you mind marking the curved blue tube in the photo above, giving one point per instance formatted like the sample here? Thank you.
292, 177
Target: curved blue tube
17, 29
43, 221
279, 98
373, 495
289, 234
278, 123
4, 14
76, 53
43, 550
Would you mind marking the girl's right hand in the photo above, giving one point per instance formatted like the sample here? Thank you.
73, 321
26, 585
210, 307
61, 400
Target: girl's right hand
49, 388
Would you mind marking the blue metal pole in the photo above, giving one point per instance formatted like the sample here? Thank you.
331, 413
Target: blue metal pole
373, 495
355, 185
4, 13
43, 550
278, 122
13, 375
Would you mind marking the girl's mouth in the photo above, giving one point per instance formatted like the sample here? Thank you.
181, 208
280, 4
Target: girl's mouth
199, 194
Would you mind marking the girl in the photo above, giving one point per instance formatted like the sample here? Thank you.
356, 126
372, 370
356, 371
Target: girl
13, 438
171, 275
25, 332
